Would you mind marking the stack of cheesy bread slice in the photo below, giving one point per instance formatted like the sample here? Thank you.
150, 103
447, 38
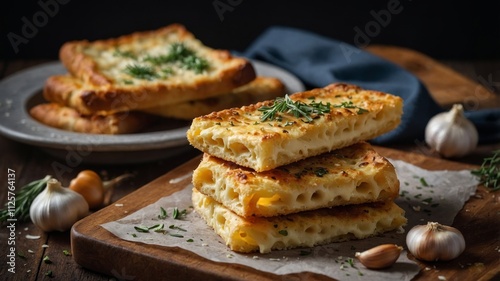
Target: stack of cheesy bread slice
297, 171
165, 72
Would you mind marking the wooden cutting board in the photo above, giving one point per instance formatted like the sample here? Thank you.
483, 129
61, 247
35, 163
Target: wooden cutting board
95, 248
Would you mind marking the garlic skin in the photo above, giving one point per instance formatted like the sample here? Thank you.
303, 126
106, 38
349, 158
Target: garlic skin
451, 134
379, 257
433, 242
57, 208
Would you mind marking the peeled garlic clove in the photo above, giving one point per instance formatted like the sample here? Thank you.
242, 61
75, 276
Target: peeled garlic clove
433, 242
380, 257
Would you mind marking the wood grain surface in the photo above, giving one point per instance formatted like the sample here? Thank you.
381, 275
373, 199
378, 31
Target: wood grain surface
146, 262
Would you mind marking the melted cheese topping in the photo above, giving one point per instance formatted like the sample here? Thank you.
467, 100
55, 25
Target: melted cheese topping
113, 66
352, 175
305, 229
238, 134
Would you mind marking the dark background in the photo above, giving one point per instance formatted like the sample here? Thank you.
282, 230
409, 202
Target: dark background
442, 30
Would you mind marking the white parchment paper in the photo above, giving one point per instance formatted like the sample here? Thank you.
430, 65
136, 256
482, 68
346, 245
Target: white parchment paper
424, 195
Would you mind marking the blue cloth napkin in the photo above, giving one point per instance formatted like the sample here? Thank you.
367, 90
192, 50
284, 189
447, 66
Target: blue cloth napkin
319, 61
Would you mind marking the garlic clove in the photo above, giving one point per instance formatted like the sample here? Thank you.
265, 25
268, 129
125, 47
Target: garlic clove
379, 257
451, 134
433, 242
57, 208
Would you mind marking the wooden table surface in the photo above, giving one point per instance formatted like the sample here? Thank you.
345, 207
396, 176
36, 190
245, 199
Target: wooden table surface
30, 163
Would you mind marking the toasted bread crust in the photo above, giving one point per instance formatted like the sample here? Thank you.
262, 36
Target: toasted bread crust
81, 65
65, 118
102, 89
304, 229
260, 89
239, 135
353, 175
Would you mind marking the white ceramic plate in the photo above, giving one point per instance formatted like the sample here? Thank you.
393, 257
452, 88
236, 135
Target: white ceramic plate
22, 90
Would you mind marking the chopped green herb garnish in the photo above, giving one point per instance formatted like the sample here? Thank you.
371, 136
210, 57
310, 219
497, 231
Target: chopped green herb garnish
196, 64
190, 240
176, 235
134, 235
176, 227
157, 227
167, 71
158, 60
350, 104
128, 82
424, 182
141, 71
21, 255
489, 172
124, 54
427, 200
66, 253
49, 273
46, 259
297, 108
350, 261
163, 214
283, 232
179, 51
141, 228
178, 214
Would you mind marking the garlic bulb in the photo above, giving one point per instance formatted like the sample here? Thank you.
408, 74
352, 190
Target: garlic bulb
451, 134
379, 257
434, 242
57, 208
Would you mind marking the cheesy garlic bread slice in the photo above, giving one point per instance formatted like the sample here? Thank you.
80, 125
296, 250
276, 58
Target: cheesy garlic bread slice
145, 69
66, 118
353, 175
305, 229
270, 134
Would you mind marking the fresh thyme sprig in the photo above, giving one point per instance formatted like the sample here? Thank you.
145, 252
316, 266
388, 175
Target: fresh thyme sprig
23, 200
489, 172
297, 108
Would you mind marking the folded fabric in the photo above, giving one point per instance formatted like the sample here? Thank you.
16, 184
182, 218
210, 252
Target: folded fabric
319, 61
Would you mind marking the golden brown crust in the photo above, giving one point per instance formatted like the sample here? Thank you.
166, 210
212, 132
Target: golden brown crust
352, 175
304, 229
260, 89
65, 118
239, 135
103, 88
86, 68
